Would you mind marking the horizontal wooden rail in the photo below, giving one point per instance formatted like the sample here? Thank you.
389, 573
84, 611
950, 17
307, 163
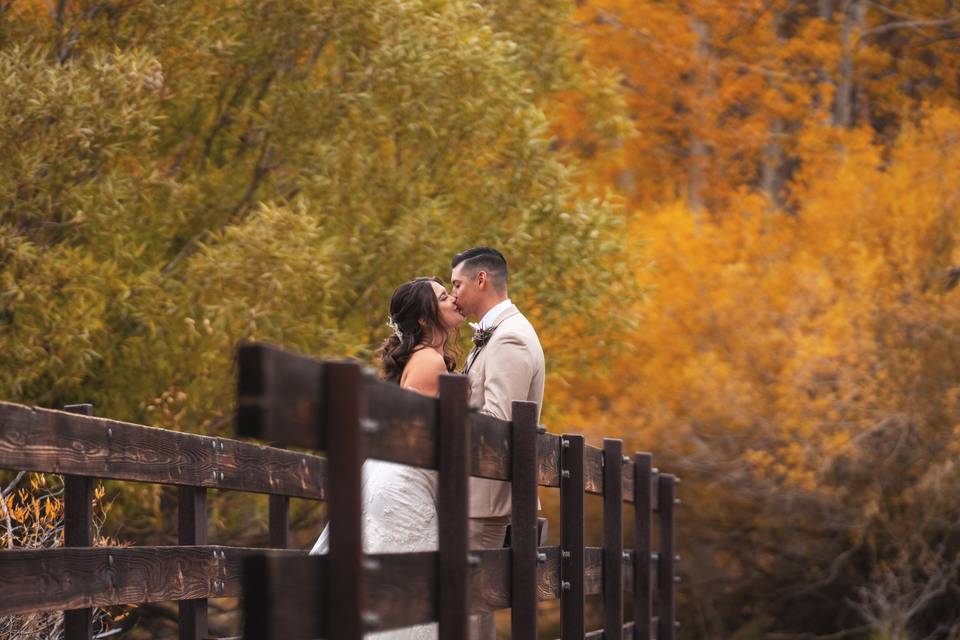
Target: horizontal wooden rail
401, 588
52, 441
71, 578
280, 400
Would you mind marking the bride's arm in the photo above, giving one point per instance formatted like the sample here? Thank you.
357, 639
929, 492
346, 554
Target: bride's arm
423, 372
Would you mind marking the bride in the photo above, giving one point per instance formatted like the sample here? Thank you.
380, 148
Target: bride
400, 502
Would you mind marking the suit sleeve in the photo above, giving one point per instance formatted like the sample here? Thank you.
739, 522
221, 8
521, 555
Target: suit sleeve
507, 378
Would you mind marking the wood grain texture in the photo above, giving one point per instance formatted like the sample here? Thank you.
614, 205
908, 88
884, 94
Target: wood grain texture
283, 591
345, 407
78, 532
573, 562
284, 596
613, 537
192, 530
642, 545
405, 423
279, 396
491, 578
523, 521
489, 447
53, 441
548, 460
667, 612
279, 402
279, 522
452, 506
66, 578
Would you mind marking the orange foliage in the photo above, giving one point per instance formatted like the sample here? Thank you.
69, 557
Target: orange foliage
794, 183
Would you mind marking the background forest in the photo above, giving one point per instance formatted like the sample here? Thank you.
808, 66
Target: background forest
734, 223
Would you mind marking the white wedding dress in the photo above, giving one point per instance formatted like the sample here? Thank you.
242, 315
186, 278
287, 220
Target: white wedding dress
399, 514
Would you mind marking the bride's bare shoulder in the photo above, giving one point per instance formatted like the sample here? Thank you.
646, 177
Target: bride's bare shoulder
422, 373
427, 359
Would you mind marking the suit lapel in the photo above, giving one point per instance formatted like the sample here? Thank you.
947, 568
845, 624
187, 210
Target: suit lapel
509, 312
471, 358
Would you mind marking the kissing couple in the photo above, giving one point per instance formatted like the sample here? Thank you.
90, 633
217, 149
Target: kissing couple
505, 364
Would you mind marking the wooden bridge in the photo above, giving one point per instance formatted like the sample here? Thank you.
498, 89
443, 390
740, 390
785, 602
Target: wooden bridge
339, 408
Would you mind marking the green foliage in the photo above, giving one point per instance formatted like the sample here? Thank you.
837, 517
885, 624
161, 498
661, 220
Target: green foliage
179, 177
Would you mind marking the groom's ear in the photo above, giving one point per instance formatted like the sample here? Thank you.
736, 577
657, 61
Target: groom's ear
481, 279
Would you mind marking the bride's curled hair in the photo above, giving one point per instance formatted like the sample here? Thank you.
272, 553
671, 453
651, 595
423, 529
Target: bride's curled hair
413, 302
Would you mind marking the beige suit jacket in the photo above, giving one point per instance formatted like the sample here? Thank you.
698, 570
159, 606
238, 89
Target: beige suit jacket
509, 367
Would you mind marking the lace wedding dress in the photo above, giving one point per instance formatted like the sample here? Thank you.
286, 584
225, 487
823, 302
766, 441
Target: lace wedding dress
399, 514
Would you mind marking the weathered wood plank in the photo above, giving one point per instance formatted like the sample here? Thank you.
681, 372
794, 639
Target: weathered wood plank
53, 441
548, 460
452, 507
192, 530
345, 413
259, 593
572, 563
401, 589
279, 402
643, 547
665, 563
283, 594
592, 470
279, 396
489, 447
548, 574
78, 532
627, 481
279, 522
403, 424
491, 578
612, 537
73, 578
523, 521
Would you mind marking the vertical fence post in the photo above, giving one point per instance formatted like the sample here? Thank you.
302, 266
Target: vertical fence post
78, 532
279, 522
612, 539
192, 521
571, 537
523, 521
665, 564
642, 546
452, 502
344, 402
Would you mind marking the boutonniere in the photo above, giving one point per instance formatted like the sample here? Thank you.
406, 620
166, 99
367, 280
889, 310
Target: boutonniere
481, 336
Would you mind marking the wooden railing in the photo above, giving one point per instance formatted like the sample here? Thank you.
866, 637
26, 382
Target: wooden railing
83, 447
339, 408
336, 407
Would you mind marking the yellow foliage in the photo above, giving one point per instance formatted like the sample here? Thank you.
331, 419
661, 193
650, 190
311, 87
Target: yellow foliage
790, 365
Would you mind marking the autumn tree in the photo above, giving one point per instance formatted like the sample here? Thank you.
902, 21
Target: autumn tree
793, 182
178, 178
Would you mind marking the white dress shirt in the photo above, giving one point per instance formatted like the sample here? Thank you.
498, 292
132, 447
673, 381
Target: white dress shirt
487, 320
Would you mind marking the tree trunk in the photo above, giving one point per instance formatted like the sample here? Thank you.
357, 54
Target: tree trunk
772, 177
772, 168
853, 20
697, 172
826, 9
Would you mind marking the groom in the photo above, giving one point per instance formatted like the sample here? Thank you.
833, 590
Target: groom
506, 364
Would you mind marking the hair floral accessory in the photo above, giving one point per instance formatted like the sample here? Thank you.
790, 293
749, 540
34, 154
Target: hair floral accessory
396, 328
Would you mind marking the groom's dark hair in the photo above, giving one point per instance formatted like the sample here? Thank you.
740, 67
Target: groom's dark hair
484, 259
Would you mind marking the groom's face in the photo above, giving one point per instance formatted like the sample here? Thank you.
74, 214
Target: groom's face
465, 288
